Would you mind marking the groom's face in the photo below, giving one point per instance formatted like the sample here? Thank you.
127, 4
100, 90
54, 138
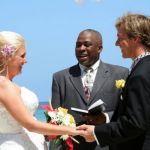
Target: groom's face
87, 49
126, 44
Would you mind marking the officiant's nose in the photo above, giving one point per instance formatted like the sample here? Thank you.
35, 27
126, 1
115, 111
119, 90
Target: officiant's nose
83, 47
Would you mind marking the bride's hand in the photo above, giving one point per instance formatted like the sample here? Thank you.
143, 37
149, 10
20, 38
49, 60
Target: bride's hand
75, 132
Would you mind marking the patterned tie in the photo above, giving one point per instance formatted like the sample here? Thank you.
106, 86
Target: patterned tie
88, 83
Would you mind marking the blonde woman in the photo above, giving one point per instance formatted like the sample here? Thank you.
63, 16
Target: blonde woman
17, 104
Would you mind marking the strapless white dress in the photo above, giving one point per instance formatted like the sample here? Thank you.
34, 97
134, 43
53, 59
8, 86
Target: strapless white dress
12, 135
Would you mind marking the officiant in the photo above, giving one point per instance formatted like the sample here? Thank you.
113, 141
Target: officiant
86, 82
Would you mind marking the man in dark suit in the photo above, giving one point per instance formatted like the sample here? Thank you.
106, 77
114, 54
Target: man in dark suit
68, 86
130, 125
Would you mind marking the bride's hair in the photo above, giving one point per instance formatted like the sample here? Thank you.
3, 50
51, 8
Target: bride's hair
10, 42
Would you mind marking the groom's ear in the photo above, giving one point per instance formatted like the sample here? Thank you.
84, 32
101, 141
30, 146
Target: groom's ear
136, 39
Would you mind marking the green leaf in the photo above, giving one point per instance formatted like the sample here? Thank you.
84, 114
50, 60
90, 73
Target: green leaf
56, 143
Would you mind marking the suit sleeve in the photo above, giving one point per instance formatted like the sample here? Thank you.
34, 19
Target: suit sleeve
55, 93
135, 114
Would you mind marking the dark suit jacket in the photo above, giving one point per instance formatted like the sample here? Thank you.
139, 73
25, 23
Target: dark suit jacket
67, 91
131, 127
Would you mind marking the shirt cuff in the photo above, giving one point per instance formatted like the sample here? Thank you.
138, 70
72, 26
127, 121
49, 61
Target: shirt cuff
107, 117
95, 137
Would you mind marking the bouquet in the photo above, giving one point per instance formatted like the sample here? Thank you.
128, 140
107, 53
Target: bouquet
60, 117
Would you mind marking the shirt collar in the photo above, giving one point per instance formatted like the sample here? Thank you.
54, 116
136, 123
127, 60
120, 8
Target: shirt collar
142, 55
137, 59
94, 66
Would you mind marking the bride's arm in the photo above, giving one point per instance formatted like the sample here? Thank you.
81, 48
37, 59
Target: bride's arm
11, 99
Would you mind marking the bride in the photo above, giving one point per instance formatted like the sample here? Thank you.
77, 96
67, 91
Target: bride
18, 104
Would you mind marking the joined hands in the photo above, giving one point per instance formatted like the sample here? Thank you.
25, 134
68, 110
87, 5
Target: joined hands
86, 131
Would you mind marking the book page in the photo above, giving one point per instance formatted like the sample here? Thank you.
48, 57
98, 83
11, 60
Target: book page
97, 103
79, 110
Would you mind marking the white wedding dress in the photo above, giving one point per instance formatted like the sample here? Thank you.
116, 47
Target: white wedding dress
12, 135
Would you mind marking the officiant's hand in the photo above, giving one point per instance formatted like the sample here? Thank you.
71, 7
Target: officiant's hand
95, 119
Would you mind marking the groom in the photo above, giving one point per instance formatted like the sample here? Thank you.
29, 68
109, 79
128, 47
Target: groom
130, 126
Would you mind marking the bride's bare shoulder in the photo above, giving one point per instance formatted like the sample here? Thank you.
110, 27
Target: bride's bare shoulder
5, 89
4, 81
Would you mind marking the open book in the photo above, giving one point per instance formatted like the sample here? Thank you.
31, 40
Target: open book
95, 108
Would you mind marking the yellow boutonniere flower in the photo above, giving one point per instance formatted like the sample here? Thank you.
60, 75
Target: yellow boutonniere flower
120, 83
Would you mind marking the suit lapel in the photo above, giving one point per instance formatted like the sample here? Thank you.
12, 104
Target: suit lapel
103, 73
75, 79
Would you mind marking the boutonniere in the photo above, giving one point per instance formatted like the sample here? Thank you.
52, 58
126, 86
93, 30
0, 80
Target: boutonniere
120, 84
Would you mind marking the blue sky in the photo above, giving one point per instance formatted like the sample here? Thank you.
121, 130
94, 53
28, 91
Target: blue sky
51, 27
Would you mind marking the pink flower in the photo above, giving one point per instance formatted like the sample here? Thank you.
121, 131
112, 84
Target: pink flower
69, 144
47, 107
7, 50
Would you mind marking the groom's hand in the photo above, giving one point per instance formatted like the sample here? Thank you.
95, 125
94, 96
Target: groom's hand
88, 133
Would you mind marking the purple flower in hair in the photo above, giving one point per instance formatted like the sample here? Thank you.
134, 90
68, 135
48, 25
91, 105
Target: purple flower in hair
7, 50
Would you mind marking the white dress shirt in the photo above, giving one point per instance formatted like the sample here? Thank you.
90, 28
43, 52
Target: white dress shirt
93, 73
94, 68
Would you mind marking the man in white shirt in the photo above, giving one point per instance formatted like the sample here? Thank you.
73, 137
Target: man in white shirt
77, 87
